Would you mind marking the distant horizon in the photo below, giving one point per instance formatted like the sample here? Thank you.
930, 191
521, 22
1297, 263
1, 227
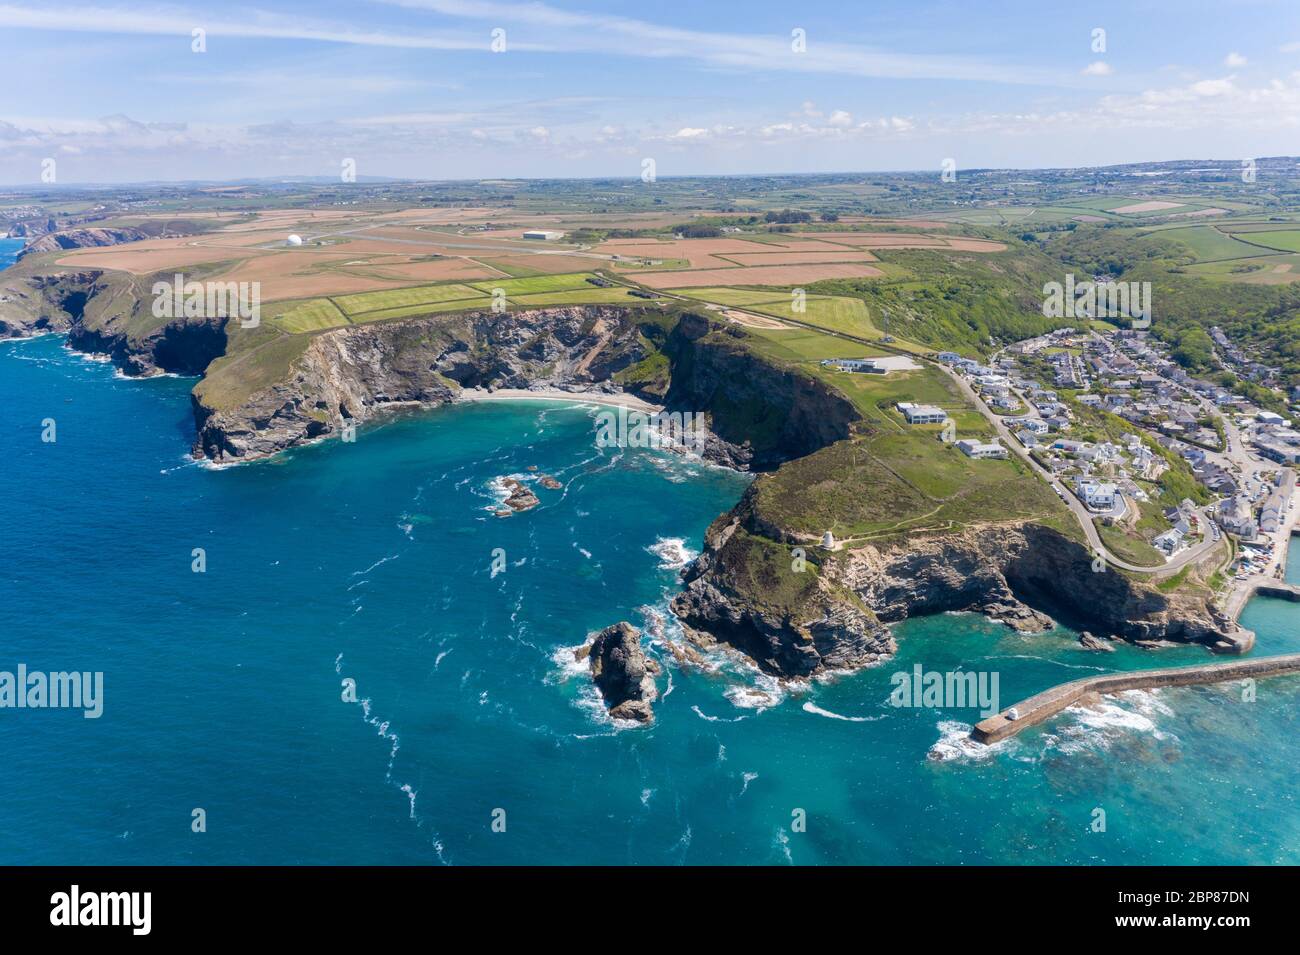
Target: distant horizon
308, 179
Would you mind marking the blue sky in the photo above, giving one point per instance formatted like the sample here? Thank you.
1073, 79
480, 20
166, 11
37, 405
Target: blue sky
114, 92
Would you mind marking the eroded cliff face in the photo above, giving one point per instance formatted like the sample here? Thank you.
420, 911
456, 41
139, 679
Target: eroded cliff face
107, 313
81, 239
774, 413
349, 375
1018, 573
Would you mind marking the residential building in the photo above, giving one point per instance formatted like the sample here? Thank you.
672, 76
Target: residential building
922, 414
977, 449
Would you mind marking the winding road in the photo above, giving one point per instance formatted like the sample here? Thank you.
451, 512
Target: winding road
1081, 513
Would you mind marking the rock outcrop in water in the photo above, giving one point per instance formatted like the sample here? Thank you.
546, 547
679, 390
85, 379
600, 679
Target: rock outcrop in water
622, 672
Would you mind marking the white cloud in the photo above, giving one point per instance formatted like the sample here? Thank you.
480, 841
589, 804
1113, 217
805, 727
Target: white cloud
840, 118
259, 25
1097, 68
1234, 59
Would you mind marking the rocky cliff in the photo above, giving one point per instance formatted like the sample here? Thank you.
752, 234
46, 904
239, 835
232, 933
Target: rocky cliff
347, 376
1018, 573
108, 313
81, 239
775, 413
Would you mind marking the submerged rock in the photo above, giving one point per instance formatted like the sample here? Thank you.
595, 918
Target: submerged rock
622, 672
1089, 642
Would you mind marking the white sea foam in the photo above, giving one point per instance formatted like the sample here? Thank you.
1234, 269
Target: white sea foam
382, 560
1099, 725
672, 552
716, 719
811, 707
782, 841
955, 744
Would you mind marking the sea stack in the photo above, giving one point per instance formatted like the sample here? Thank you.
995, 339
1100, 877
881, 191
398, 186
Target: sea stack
622, 672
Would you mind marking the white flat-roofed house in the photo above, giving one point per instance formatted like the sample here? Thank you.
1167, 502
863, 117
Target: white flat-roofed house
978, 449
864, 365
922, 414
1034, 425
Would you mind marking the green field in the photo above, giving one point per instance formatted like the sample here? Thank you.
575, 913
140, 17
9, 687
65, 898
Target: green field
310, 315
588, 296
800, 345
1283, 240
360, 304
536, 283
408, 311
1209, 244
319, 314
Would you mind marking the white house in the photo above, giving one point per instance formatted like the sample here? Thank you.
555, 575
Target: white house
922, 414
977, 449
865, 365
1098, 497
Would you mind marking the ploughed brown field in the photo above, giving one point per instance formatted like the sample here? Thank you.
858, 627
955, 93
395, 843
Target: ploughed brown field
760, 275
798, 258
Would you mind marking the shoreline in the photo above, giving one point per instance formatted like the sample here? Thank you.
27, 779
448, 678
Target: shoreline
608, 399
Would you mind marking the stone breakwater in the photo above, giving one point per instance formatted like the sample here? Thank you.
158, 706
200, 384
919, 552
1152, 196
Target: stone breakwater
1038, 708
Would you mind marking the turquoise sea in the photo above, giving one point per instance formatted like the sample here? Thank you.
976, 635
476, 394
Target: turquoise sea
372, 562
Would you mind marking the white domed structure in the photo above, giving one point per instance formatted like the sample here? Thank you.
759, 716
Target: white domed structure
293, 240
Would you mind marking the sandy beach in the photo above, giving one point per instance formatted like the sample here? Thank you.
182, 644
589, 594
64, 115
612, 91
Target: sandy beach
613, 400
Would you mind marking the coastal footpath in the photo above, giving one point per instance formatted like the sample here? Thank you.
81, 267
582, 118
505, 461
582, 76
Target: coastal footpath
1038, 708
